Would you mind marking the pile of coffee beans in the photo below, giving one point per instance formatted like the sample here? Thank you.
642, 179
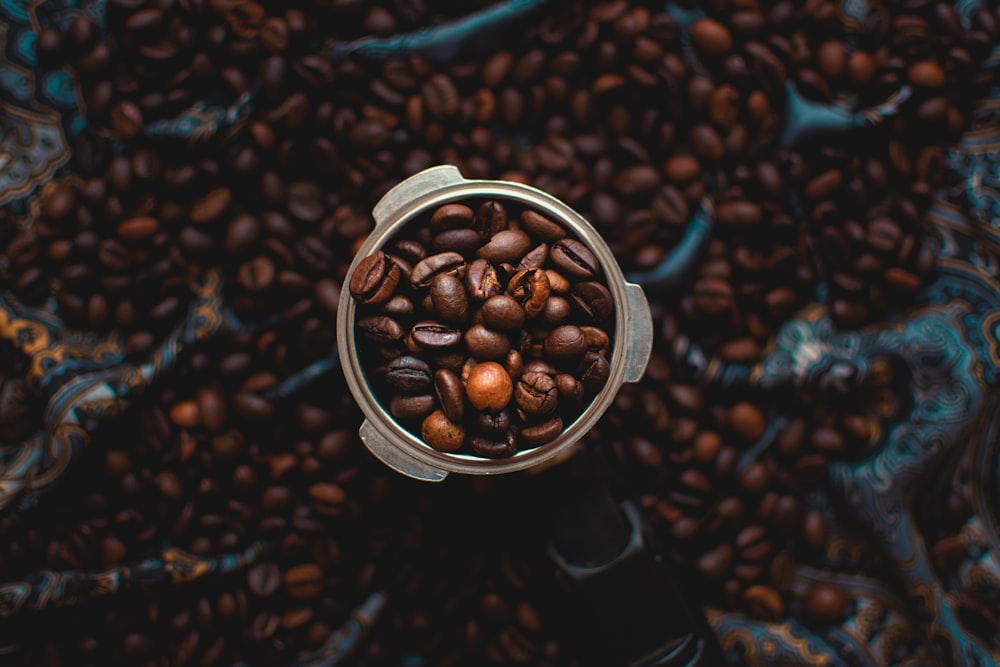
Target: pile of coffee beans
595, 103
485, 327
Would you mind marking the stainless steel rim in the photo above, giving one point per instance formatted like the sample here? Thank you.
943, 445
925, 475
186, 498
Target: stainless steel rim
412, 445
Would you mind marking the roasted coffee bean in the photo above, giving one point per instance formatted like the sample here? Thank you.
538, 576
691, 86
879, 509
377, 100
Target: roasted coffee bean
489, 387
825, 603
592, 300
536, 393
541, 227
450, 394
494, 449
426, 269
442, 433
375, 279
484, 343
461, 240
263, 579
408, 375
449, 298
381, 329
490, 218
535, 258
503, 312
431, 335
574, 259
594, 371
452, 216
530, 288
304, 581
565, 342
482, 280
539, 434
411, 407
493, 423
508, 246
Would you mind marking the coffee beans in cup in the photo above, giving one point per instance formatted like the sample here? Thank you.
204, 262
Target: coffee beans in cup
484, 327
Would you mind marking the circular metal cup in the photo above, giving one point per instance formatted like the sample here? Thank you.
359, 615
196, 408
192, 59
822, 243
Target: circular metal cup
633, 331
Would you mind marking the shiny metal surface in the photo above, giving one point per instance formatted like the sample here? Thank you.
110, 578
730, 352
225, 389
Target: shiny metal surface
633, 328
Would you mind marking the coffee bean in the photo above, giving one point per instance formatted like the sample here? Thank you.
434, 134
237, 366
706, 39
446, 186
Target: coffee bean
138, 229
592, 300
408, 375
716, 562
574, 259
211, 205
503, 312
739, 214
441, 433
430, 335
449, 297
825, 603
375, 279
482, 280
565, 342
440, 96
263, 579
452, 216
484, 343
426, 269
541, 227
508, 245
489, 387
747, 421
494, 449
381, 329
711, 38
764, 602
126, 120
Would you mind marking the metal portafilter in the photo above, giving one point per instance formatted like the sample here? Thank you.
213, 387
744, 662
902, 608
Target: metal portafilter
631, 333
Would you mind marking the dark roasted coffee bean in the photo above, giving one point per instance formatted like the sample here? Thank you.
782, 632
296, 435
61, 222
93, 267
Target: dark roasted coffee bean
263, 579
452, 216
592, 300
484, 343
446, 262
508, 245
574, 259
449, 298
536, 393
432, 335
464, 240
539, 434
490, 218
540, 226
482, 280
503, 312
493, 423
381, 329
375, 279
408, 375
594, 372
450, 394
530, 288
494, 449
565, 342
535, 258
411, 407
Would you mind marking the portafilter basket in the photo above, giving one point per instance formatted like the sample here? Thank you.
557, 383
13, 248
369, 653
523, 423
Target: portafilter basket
632, 344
